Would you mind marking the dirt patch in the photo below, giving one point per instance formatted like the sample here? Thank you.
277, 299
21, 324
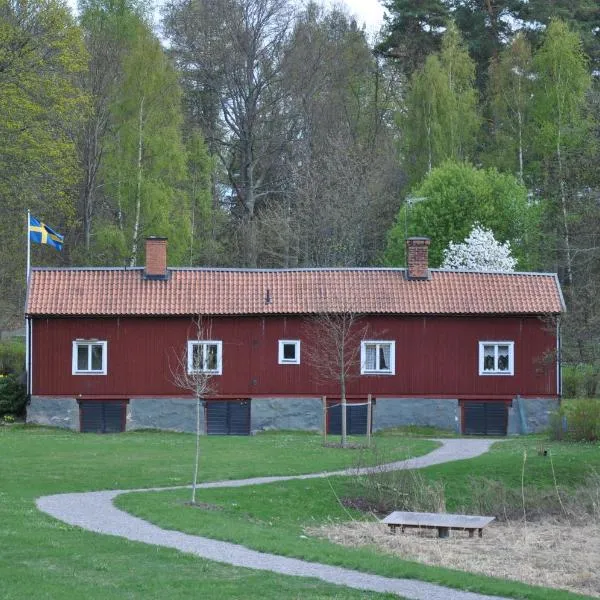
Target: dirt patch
551, 554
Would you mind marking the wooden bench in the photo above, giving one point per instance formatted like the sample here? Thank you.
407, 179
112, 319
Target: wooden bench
441, 521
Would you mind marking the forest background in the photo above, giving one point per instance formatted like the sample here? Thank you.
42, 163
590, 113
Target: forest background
261, 133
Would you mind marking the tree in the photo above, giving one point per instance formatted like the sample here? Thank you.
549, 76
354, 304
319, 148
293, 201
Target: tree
194, 374
454, 197
230, 54
581, 16
145, 162
333, 351
510, 94
334, 188
208, 219
110, 27
41, 55
562, 130
412, 31
441, 119
479, 252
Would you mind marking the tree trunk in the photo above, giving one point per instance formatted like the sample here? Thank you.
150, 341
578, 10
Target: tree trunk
343, 397
563, 201
138, 191
197, 458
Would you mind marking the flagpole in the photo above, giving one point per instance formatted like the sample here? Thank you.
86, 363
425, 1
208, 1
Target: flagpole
28, 271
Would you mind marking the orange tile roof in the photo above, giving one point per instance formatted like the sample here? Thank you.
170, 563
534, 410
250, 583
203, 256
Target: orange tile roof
290, 291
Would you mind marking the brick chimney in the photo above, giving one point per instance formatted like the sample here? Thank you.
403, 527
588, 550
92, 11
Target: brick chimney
417, 258
156, 258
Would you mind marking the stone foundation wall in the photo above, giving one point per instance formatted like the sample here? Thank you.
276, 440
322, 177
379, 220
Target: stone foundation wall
397, 412
175, 414
56, 412
179, 414
286, 413
530, 415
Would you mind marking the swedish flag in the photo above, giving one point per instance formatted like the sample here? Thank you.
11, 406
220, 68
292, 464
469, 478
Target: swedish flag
42, 234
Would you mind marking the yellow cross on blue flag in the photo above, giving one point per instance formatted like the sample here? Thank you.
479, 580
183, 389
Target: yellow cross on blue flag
42, 234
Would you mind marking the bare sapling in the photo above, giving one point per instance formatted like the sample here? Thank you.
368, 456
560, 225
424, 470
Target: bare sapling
193, 371
334, 351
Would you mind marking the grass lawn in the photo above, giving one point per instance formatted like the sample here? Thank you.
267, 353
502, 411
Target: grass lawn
43, 558
272, 518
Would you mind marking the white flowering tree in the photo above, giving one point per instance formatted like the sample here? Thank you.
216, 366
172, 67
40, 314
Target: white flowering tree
479, 252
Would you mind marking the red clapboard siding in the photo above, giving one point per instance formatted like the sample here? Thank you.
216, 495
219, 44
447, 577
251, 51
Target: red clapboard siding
435, 356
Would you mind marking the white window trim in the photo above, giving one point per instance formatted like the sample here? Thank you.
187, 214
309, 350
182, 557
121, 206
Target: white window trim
76, 344
511, 357
190, 356
363, 357
287, 361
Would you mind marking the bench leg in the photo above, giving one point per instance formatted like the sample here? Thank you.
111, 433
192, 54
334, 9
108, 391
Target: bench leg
480, 532
392, 529
443, 532
471, 532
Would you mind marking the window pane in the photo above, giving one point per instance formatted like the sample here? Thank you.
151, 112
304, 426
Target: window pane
503, 358
289, 351
488, 358
96, 357
384, 357
370, 357
82, 357
211, 357
197, 356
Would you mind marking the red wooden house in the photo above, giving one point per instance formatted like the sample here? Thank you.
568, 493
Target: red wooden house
473, 351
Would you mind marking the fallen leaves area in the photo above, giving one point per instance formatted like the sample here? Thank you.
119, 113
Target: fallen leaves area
550, 554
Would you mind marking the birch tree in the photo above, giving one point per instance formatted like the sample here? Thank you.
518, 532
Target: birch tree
441, 117
511, 82
41, 107
562, 129
145, 163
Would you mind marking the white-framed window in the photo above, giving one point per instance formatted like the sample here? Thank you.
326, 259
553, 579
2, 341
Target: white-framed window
89, 357
205, 356
377, 357
289, 352
496, 358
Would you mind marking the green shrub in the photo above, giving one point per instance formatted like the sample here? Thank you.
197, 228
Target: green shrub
557, 430
583, 420
580, 380
12, 356
13, 396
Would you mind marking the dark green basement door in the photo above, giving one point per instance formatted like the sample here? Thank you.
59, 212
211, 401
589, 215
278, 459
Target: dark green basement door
102, 416
485, 418
356, 419
228, 417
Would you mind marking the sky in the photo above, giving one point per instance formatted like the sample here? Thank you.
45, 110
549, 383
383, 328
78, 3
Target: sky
369, 12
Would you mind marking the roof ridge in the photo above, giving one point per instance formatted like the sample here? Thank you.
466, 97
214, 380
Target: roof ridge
298, 270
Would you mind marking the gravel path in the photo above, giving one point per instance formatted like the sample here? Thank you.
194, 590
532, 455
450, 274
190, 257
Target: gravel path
96, 512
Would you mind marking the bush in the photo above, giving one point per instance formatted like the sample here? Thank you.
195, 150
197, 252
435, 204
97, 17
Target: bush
382, 490
557, 430
12, 356
13, 396
583, 421
580, 380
